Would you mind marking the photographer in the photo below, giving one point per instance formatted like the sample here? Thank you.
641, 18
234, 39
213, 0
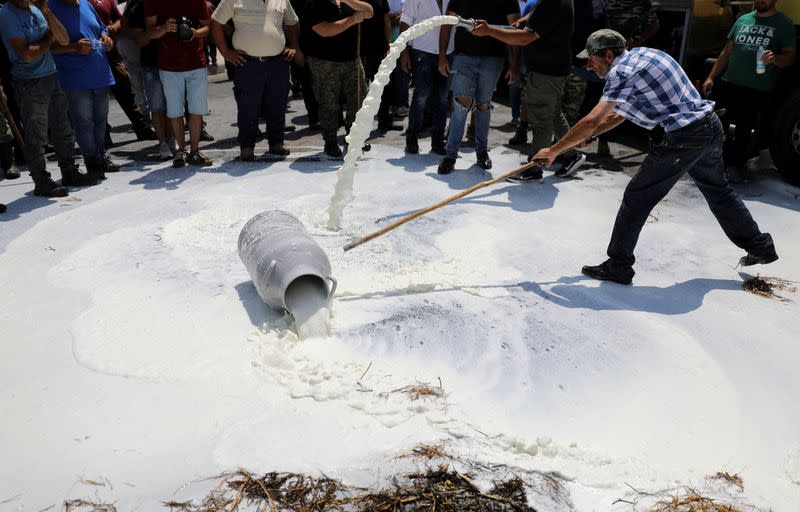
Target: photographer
180, 26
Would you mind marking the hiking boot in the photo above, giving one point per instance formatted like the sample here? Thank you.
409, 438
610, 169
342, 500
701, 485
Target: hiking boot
483, 160
46, 187
446, 166
198, 158
532, 174
438, 146
181, 159
246, 154
521, 136
333, 150
96, 170
412, 145
568, 166
607, 272
752, 259
205, 136
279, 150
71, 176
109, 165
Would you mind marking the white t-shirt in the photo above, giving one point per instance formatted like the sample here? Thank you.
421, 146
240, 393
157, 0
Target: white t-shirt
396, 5
259, 24
417, 11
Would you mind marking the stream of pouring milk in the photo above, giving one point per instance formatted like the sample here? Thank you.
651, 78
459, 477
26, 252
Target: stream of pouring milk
362, 126
307, 300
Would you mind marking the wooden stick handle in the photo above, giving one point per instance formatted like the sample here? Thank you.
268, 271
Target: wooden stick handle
420, 213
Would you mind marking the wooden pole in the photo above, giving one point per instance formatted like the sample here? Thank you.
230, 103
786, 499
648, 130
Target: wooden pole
420, 213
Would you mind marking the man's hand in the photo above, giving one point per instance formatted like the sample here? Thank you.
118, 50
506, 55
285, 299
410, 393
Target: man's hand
235, 57
544, 157
300, 59
481, 29
358, 17
444, 66
290, 54
768, 57
83, 46
708, 85
394, 18
107, 42
405, 61
512, 75
171, 25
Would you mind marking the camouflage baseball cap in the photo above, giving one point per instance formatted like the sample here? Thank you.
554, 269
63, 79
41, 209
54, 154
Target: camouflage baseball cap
604, 39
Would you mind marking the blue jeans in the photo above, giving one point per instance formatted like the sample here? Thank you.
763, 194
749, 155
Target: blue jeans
261, 88
427, 81
474, 79
696, 149
153, 90
88, 110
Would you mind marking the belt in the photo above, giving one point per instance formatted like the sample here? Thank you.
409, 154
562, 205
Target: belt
259, 59
710, 117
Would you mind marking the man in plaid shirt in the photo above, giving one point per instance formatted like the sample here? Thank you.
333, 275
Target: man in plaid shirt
648, 88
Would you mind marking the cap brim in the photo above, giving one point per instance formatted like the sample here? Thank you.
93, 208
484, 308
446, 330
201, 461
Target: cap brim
583, 55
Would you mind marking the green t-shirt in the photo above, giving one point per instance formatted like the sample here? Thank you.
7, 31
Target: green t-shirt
748, 33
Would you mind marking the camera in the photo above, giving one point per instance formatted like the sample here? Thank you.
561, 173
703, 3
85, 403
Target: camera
184, 32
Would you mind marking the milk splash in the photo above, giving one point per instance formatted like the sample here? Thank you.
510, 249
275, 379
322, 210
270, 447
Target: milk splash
362, 126
307, 301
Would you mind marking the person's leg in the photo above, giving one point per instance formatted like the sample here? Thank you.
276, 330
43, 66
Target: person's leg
62, 137
731, 213
100, 105
488, 74
326, 92
574, 93
34, 102
197, 98
174, 86
659, 172
423, 71
464, 84
354, 88
123, 93
273, 103
7, 150
543, 94
440, 89
154, 92
82, 116
248, 89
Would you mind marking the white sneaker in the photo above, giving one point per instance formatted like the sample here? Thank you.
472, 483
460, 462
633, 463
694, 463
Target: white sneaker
173, 146
164, 151
570, 165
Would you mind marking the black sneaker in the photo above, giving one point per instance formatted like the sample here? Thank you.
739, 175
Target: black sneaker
205, 136
333, 150
446, 166
570, 165
438, 146
484, 161
48, 188
246, 154
198, 158
181, 159
605, 272
528, 175
73, 177
752, 259
109, 165
521, 137
412, 145
279, 150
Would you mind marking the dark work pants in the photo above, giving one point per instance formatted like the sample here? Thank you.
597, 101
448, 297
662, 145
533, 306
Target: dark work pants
696, 149
123, 93
745, 108
261, 88
371, 65
44, 107
428, 83
303, 75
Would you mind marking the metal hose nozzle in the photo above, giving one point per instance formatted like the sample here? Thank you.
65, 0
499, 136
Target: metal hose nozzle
466, 23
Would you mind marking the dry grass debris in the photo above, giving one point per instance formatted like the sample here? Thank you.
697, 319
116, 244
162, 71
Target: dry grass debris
769, 286
427, 452
84, 505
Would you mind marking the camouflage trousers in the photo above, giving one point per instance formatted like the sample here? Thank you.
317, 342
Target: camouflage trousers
574, 92
334, 84
5, 132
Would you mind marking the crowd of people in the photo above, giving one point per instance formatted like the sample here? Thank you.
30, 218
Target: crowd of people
66, 56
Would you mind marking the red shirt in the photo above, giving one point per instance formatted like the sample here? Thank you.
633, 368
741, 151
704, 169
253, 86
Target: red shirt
107, 10
175, 55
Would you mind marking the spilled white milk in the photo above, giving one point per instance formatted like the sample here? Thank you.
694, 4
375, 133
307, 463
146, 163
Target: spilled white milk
307, 301
362, 126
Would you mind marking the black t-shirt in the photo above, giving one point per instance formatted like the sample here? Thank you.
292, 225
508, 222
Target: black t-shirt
339, 48
373, 30
495, 12
551, 54
148, 56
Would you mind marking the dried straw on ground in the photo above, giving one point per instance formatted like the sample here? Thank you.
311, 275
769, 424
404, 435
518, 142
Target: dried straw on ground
769, 286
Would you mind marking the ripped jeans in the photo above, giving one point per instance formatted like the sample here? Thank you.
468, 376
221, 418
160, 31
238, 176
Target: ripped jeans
473, 81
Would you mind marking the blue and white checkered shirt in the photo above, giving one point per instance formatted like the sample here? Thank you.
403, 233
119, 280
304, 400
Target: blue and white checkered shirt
649, 88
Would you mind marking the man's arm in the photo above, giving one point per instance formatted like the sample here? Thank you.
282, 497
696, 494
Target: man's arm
157, 31
202, 32
601, 119
56, 28
513, 71
444, 43
31, 52
80, 47
783, 60
360, 6
718, 68
511, 36
334, 28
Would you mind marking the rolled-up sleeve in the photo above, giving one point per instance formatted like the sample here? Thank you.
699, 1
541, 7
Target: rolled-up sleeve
224, 12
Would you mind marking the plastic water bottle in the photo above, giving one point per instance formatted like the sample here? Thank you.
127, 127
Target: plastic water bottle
760, 68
